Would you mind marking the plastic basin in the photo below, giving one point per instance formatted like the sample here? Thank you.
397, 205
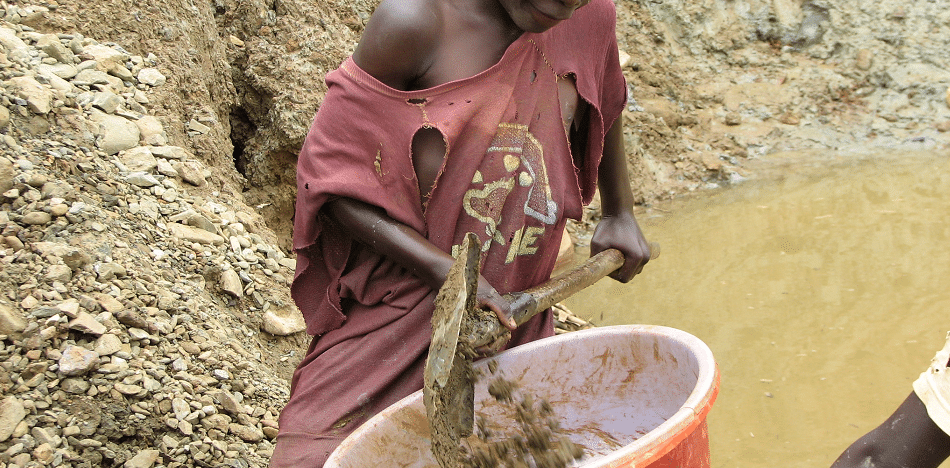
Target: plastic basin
631, 395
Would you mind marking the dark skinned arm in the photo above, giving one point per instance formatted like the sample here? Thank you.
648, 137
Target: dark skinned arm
403, 245
908, 438
618, 229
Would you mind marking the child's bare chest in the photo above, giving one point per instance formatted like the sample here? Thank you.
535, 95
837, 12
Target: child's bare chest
463, 58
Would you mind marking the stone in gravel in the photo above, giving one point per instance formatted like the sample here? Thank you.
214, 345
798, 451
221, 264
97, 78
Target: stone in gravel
11, 322
105, 56
11, 413
107, 101
61, 273
151, 130
138, 334
4, 120
151, 385
711, 161
129, 390
77, 259
75, 386
86, 323
231, 283
171, 152
283, 321
43, 436
151, 77
944, 126
6, 174
166, 169
198, 127
43, 453
733, 118
191, 172
143, 459
70, 307
142, 179
63, 71
108, 271
37, 218
58, 209
11, 42
131, 318
198, 221
108, 344
21, 459
109, 303
180, 408
115, 133
29, 302
38, 98
190, 348
270, 432
864, 59
185, 428
53, 47
13, 243
246, 433
77, 360
191, 234
91, 77
228, 402
36, 180
216, 421
138, 159
947, 98
121, 73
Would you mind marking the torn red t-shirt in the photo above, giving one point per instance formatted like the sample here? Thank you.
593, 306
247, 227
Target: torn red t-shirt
508, 176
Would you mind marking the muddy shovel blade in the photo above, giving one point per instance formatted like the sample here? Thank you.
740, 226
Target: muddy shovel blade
454, 298
449, 384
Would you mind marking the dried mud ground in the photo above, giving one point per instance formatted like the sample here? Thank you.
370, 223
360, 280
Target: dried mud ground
146, 185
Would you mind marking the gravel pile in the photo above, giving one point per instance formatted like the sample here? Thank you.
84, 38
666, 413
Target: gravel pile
136, 301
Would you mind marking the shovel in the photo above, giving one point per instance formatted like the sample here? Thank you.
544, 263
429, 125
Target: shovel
459, 327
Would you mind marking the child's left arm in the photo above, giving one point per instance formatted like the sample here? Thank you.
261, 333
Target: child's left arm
618, 229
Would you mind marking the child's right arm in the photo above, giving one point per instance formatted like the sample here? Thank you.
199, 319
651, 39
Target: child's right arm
403, 245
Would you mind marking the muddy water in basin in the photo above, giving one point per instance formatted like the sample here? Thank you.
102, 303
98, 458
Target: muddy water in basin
823, 292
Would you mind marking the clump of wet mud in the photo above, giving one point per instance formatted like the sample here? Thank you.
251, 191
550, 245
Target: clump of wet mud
535, 441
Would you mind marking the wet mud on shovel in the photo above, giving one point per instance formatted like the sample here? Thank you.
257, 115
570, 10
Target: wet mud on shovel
459, 327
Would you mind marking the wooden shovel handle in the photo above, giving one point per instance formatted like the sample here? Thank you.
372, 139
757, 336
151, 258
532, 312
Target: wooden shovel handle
566, 285
486, 328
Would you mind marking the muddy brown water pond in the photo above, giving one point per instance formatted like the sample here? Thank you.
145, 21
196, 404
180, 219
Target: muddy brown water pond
823, 290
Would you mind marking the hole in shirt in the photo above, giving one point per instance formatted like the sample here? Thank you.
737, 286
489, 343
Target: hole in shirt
417, 101
534, 75
428, 155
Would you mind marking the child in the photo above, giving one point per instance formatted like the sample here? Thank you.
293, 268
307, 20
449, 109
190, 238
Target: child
916, 435
498, 117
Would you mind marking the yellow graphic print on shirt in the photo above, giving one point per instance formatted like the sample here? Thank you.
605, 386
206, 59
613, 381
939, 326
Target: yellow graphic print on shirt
515, 162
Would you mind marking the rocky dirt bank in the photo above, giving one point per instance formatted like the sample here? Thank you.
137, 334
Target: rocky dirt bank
146, 163
140, 303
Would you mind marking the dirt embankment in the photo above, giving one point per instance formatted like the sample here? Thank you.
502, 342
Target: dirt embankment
712, 82
146, 185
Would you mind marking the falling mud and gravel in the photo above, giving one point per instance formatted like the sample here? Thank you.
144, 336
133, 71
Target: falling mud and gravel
533, 440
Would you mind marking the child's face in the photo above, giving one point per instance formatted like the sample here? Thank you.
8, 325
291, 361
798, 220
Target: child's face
540, 15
